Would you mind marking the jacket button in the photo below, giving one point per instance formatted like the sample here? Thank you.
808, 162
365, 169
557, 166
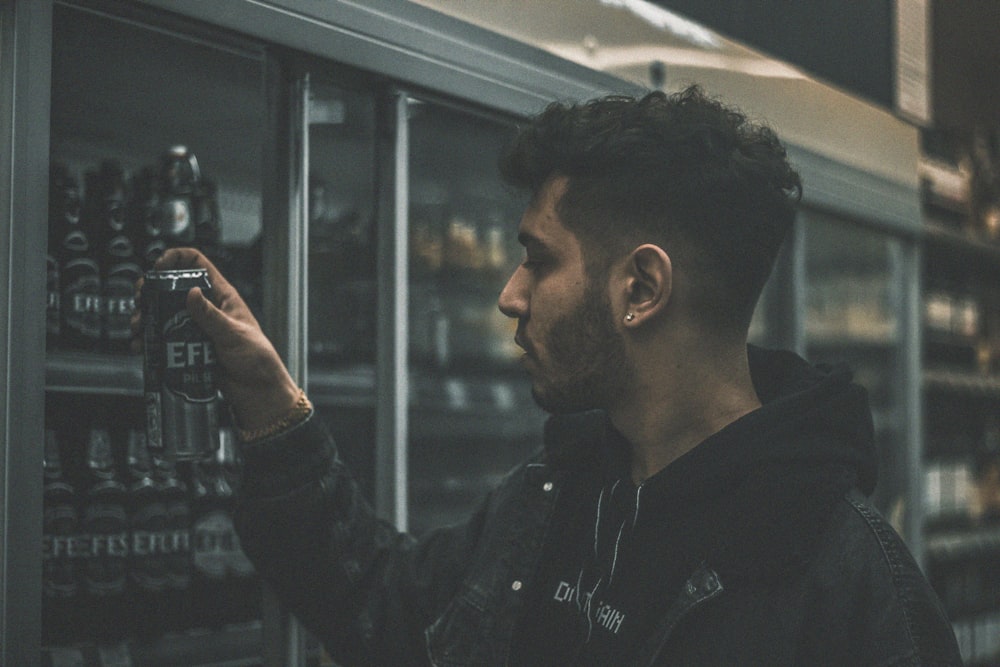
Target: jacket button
547, 486
516, 585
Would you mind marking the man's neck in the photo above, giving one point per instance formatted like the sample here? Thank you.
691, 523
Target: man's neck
677, 405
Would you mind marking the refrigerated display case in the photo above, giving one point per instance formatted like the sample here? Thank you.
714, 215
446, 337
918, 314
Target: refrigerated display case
285, 140
352, 147
342, 294
961, 383
140, 557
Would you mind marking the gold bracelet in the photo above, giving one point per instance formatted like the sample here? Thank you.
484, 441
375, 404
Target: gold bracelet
303, 408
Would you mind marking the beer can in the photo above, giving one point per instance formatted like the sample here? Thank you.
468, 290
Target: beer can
179, 369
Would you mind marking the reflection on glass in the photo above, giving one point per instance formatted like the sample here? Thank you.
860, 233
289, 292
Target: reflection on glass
341, 213
342, 302
853, 303
473, 416
851, 294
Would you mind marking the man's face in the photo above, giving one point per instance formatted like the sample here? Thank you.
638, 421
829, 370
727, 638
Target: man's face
572, 350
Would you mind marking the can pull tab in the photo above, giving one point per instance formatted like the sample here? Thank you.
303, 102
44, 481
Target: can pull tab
175, 276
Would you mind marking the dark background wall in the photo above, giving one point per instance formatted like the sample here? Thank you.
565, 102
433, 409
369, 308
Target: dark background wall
851, 44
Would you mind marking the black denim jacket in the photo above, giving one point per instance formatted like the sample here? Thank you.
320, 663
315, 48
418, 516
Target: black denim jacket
851, 595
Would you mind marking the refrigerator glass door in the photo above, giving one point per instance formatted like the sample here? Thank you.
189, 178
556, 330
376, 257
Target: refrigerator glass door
854, 300
342, 303
158, 133
471, 413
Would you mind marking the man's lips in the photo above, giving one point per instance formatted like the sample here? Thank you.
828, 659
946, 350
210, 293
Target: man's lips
522, 341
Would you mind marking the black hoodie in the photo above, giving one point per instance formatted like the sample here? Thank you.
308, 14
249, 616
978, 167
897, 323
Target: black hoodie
750, 500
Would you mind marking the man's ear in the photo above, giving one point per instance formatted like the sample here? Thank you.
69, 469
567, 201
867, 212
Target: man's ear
649, 283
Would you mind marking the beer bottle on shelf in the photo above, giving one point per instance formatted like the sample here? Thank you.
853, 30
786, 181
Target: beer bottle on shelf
149, 539
144, 209
208, 221
60, 547
120, 266
243, 585
79, 274
106, 200
177, 550
179, 178
105, 523
211, 533
64, 211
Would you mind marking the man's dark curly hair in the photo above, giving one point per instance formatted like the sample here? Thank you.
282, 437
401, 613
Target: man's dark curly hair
684, 171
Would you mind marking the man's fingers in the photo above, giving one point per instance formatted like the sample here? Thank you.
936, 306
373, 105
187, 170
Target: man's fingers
206, 315
190, 258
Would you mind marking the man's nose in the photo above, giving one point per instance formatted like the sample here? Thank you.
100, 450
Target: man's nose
512, 301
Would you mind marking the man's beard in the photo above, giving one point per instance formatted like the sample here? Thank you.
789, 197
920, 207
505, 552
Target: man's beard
587, 366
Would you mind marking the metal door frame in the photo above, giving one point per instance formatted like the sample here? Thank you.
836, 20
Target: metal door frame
25, 75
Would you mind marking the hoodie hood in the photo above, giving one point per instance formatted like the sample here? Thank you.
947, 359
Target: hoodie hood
765, 482
810, 415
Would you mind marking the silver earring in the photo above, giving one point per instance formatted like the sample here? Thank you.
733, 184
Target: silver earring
629, 317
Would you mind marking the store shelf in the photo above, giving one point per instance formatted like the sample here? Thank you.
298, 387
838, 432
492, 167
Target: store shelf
94, 373
956, 544
477, 407
961, 268
348, 386
973, 384
839, 338
487, 408
233, 646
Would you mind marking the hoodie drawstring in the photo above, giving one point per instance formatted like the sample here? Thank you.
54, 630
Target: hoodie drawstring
585, 606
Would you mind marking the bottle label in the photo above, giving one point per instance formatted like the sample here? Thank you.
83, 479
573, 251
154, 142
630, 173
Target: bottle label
214, 543
177, 218
150, 543
178, 551
119, 300
106, 530
239, 564
81, 298
59, 551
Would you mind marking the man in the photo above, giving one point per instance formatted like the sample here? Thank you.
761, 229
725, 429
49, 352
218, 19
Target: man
697, 502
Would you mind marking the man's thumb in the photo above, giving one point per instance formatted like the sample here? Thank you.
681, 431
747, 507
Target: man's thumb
205, 314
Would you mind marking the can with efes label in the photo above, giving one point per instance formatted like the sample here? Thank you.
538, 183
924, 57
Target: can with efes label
179, 369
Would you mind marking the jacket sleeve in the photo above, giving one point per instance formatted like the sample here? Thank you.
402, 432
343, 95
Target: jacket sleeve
361, 587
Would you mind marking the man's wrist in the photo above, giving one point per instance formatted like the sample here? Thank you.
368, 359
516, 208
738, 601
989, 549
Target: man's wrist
264, 429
